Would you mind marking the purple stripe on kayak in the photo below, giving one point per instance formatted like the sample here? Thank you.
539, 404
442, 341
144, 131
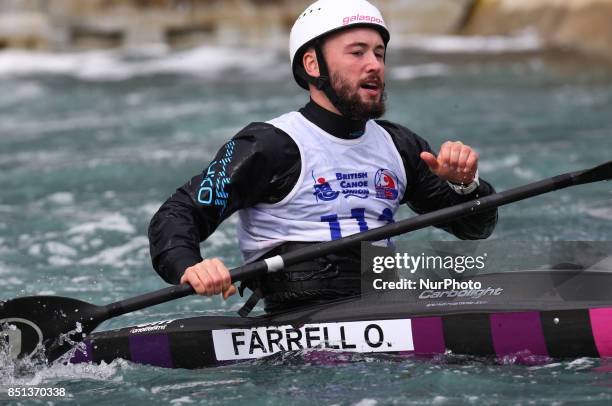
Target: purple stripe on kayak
80, 356
601, 325
517, 332
428, 335
151, 349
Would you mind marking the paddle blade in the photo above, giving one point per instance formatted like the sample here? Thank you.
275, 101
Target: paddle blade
596, 174
52, 323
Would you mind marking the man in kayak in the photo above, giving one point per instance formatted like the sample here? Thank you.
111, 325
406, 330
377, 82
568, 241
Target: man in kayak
324, 172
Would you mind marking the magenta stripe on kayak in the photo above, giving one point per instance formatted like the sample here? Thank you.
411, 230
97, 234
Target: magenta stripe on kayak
428, 335
79, 356
601, 325
151, 349
516, 332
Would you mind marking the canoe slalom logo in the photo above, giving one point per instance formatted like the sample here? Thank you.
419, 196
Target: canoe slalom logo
322, 189
385, 182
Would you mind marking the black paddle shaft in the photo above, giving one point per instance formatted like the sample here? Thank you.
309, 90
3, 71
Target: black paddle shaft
598, 173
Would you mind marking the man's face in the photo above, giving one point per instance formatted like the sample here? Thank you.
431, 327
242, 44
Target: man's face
356, 63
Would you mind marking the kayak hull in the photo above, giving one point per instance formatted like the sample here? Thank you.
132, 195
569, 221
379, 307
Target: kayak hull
186, 343
557, 322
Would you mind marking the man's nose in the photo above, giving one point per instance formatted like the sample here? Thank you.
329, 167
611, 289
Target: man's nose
374, 63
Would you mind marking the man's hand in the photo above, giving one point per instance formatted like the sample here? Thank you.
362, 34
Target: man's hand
209, 277
456, 162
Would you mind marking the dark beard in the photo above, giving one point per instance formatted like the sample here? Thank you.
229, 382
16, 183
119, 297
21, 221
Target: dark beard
350, 104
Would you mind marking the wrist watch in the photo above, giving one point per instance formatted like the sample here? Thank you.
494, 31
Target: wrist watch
463, 189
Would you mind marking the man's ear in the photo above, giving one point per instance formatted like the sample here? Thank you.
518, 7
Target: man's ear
309, 60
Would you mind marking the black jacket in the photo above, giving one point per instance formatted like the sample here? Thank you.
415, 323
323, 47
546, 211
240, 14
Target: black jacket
261, 164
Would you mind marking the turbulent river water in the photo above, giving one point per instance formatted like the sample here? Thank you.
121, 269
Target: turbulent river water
91, 144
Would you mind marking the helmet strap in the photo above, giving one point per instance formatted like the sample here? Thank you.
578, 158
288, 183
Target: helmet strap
323, 82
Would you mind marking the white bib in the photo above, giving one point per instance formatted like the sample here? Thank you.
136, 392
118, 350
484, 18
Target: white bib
345, 186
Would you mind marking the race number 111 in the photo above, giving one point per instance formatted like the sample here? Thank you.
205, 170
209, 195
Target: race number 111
359, 215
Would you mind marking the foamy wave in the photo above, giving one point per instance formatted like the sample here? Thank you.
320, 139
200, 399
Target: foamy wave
61, 198
11, 280
57, 248
181, 400
446, 44
367, 402
581, 364
524, 173
59, 261
418, 71
20, 92
599, 212
6, 270
509, 161
115, 65
43, 375
108, 222
120, 255
196, 384
121, 65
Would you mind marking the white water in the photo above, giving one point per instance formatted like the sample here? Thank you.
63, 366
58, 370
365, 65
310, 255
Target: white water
216, 62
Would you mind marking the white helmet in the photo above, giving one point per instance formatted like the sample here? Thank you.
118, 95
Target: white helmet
326, 16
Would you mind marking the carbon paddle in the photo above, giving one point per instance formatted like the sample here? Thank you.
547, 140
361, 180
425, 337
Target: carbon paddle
54, 323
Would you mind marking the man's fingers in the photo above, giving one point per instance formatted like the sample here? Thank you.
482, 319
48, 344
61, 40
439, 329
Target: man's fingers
471, 164
456, 162
231, 290
430, 160
223, 273
213, 275
191, 277
463, 159
196, 276
454, 155
219, 275
205, 280
445, 155
209, 277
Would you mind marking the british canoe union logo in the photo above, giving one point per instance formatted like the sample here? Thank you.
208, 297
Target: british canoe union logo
385, 182
354, 184
322, 189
